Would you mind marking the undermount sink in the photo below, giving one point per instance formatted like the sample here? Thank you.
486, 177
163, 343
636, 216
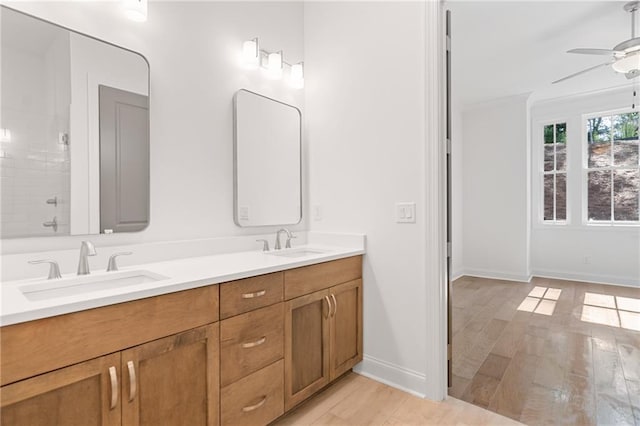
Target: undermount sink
302, 252
52, 289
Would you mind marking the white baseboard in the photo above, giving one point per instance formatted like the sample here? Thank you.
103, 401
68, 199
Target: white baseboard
456, 275
393, 375
559, 275
495, 275
589, 278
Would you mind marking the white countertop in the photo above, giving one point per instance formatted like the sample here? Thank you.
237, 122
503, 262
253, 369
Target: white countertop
182, 274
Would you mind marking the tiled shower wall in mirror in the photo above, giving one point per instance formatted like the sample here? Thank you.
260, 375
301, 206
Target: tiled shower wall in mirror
34, 147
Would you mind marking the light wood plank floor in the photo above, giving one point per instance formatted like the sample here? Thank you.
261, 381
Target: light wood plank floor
357, 400
548, 352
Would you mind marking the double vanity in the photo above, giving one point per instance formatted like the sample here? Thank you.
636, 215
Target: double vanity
234, 338
237, 338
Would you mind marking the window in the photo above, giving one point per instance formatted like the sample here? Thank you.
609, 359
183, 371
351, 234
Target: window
555, 172
613, 169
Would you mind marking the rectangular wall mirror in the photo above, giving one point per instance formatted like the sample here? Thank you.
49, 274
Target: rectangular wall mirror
74, 132
267, 150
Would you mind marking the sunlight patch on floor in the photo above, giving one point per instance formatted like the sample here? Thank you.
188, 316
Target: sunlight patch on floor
541, 300
613, 311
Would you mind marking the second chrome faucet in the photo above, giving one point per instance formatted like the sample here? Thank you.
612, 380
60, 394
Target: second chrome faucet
289, 238
287, 244
86, 249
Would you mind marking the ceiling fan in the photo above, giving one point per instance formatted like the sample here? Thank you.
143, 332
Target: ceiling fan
625, 56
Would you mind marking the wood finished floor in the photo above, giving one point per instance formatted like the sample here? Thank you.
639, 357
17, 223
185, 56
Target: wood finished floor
357, 400
568, 355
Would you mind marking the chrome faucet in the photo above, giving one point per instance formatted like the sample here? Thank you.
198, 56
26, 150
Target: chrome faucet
54, 269
289, 237
86, 249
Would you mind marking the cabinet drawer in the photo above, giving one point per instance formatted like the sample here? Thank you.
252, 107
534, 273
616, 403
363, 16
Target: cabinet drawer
251, 341
255, 400
309, 279
237, 297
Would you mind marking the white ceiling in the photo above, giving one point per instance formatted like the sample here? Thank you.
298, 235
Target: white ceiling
504, 48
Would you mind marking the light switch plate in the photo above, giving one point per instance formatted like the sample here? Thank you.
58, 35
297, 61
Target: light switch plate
405, 212
317, 212
243, 213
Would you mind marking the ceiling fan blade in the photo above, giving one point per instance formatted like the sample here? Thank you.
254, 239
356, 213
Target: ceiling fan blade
594, 51
582, 72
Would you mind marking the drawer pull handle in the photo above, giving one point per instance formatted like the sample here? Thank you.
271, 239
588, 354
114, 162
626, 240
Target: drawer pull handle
255, 407
254, 295
133, 386
114, 387
335, 304
326, 298
254, 344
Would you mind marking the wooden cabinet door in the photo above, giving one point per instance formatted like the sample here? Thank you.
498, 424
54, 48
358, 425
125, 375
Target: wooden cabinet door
306, 347
346, 327
173, 381
83, 394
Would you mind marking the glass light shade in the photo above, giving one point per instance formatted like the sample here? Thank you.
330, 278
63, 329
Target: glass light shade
627, 64
297, 76
274, 66
136, 10
5, 135
250, 53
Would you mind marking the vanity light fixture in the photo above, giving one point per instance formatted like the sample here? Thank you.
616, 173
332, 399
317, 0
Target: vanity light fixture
296, 77
251, 53
5, 135
274, 65
272, 62
136, 10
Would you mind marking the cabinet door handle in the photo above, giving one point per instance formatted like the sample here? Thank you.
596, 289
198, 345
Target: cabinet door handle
326, 298
255, 407
335, 304
133, 385
114, 387
254, 295
254, 344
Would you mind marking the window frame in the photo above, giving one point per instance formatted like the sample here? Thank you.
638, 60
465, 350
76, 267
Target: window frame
611, 223
553, 172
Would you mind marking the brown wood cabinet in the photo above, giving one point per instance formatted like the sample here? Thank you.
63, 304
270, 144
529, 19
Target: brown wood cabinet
323, 329
169, 381
345, 348
44, 345
172, 381
84, 394
306, 348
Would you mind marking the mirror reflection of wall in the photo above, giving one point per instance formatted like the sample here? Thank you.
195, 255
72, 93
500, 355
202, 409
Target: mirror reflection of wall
267, 161
50, 159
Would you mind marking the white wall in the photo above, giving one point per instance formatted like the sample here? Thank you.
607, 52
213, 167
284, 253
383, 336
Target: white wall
495, 190
578, 251
366, 106
193, 50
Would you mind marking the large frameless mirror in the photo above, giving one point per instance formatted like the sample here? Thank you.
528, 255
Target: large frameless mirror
267, 148
74, 132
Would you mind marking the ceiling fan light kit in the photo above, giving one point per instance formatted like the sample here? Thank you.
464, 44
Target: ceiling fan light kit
627, 64
625, 56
